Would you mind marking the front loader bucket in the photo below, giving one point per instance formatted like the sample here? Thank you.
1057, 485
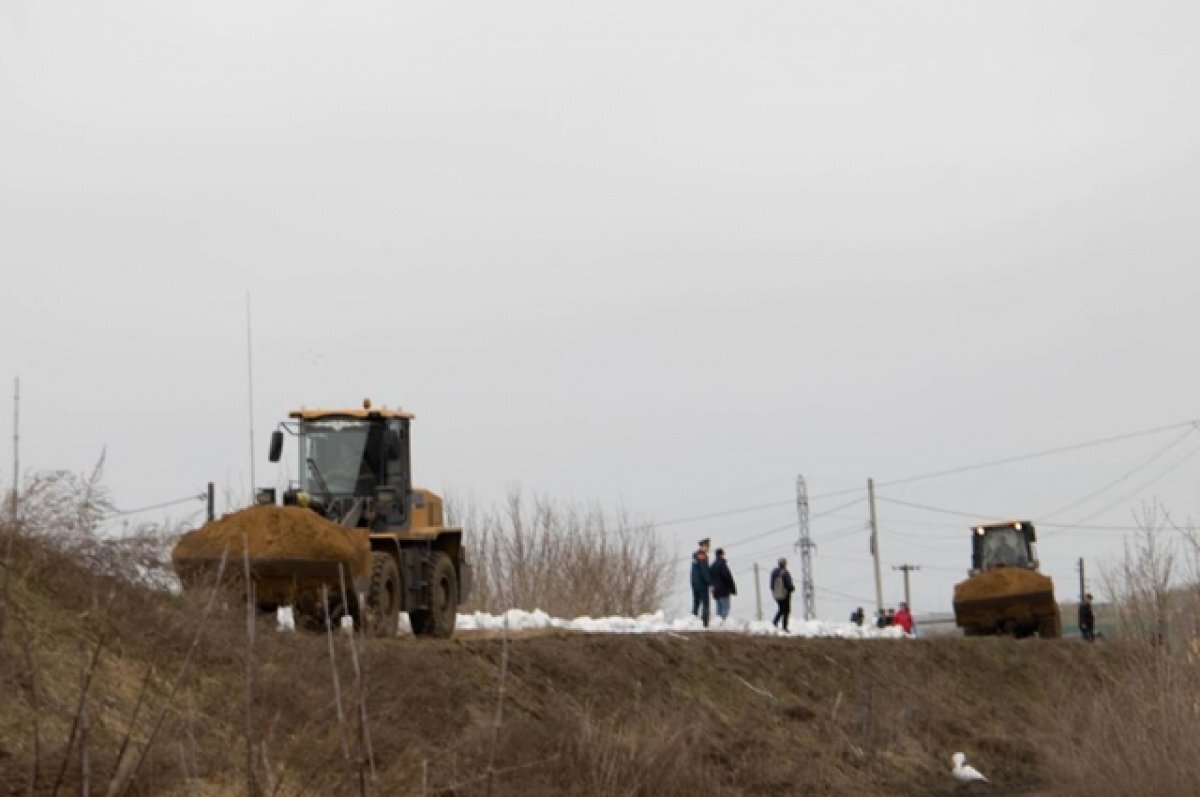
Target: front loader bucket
1006, 600
291, 552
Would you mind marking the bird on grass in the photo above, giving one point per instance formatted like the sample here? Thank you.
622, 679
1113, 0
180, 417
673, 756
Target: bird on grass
965, 772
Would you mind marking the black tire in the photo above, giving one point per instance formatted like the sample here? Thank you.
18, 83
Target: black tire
383, 596
1050, 628
438, 619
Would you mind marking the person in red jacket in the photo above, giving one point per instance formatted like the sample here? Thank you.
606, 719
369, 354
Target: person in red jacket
904, 618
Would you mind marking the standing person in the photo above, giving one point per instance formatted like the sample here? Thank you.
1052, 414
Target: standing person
722, 584
701, 582
782, 588
857, 617
1087, 619
904, 618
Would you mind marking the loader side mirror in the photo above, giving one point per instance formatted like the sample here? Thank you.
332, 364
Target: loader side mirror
276, 446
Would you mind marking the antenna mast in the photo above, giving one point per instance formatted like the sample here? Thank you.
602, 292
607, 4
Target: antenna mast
250, 391
805, 545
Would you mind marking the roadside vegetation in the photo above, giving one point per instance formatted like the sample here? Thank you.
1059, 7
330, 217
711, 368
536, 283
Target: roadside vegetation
566, 559
111, 685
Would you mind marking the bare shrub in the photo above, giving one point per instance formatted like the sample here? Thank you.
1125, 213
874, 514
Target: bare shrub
565, 559
1140, 585
73, 513
1135, 728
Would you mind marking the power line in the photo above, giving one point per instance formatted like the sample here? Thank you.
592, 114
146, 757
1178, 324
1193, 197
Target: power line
1192, 425
151, 507
927, 508
857, 598
977, 515
722, 513
1135, 491
1105, 488
1036, 454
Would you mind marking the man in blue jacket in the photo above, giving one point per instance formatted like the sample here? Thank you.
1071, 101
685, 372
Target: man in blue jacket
722, 584
701, 581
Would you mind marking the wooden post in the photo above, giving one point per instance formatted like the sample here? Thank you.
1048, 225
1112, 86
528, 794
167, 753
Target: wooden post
875, 547
757, 593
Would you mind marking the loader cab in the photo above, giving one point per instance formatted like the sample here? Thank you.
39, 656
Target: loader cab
1008, 544
349, 457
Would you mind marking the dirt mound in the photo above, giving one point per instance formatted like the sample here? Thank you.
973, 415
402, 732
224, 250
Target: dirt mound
275, 532
1002, 581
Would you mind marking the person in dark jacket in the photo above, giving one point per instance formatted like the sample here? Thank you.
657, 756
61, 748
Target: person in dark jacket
722, 584
701, 582
782, 588
1087, 619
857, 617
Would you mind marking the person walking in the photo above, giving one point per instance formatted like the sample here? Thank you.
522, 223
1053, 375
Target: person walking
722, 584
1087, 619
782, 588
701, 582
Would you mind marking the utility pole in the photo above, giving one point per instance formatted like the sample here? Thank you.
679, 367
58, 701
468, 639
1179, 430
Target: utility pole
211, 509
757, 593
1082, 581
805, 545
907, 568
16, 450
875, 546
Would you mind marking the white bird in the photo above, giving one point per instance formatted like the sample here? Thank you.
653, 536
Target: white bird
964, 771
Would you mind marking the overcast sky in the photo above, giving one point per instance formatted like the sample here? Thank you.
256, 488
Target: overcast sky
663, 255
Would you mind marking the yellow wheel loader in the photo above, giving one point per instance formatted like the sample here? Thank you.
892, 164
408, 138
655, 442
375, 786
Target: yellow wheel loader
352, 536
1005, 593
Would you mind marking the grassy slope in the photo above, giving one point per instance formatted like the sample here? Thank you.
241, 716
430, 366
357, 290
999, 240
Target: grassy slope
597, 715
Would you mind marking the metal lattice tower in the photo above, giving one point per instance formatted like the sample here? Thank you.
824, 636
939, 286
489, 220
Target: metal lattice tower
806, 545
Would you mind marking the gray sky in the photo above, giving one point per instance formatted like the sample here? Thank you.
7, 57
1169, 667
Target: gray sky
661, 254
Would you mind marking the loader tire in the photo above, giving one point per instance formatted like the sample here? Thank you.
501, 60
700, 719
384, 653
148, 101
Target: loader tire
383, 596
438, 619
1050, 628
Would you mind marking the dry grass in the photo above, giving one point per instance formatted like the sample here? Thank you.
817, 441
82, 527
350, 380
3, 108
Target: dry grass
1132, 725
581, 715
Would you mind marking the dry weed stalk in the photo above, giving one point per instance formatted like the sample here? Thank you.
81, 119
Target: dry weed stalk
251, 779
81, 710
366, 758
34, 702
337, 684
85, 763
137, 707
501, 688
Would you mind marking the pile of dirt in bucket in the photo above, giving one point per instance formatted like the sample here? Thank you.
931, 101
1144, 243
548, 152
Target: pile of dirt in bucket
276, 532
1001, 581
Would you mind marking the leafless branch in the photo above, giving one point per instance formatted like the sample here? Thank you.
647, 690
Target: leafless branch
500, 694
81, 709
